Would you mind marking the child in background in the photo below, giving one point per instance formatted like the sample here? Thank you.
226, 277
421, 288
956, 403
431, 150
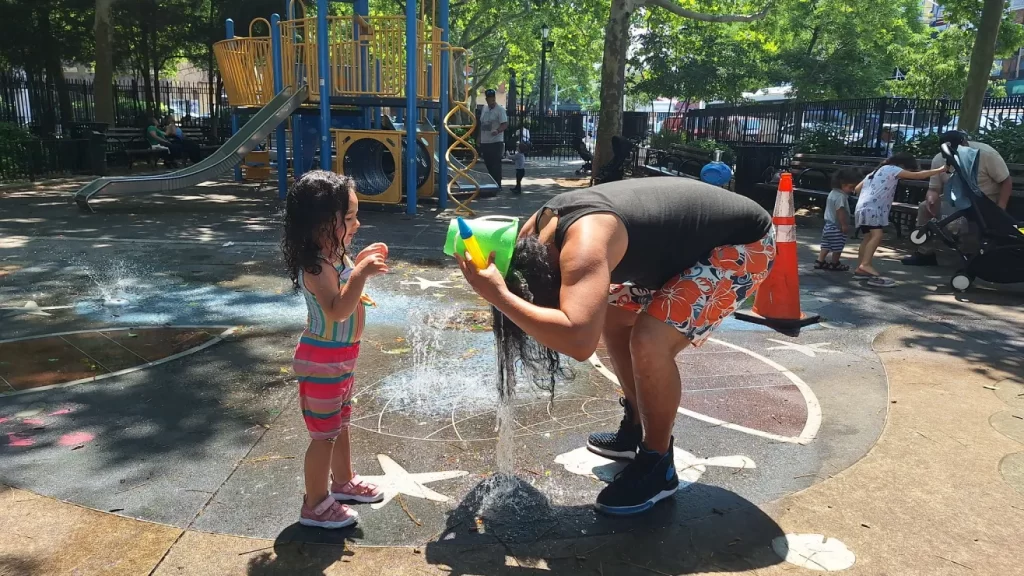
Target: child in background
520, 160
837, 220
872, 215
320, 221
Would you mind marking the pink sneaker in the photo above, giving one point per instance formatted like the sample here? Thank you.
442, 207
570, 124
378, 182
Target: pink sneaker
356, 490
328, 514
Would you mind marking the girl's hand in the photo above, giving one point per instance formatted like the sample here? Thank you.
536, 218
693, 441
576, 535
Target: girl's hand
371, 265
488, 282
375, 248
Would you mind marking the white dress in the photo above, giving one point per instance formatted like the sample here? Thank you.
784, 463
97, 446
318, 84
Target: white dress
876, 197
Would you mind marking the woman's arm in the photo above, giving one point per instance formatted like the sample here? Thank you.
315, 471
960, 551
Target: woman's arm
920, 175
575, 327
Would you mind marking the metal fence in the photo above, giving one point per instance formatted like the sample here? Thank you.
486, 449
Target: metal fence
865, 125
35, 104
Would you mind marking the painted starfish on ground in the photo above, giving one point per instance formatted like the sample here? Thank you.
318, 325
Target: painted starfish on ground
425, 284
30, 308
396, 480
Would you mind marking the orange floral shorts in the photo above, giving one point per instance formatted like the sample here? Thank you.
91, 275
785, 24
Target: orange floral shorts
698, 300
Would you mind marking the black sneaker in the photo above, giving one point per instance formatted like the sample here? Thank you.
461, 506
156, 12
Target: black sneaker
649, 478
620, 445
918, 259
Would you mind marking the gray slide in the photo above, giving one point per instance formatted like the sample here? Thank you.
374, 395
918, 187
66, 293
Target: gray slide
225, 158
488, 187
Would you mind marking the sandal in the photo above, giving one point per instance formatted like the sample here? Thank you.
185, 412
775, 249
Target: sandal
356, 490
820, 265
837, 267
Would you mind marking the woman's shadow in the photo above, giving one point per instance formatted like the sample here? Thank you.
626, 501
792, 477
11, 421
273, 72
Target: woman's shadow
506, 526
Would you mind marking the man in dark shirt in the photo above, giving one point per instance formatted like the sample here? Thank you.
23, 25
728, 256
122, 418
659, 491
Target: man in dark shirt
650, 265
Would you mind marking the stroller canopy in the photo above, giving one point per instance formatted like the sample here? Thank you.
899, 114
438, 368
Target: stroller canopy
959, 190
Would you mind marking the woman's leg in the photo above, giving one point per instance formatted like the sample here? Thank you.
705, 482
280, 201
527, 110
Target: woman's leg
618, 329
653, 347
316, 468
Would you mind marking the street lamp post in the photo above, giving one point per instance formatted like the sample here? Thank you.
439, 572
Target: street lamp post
545, 46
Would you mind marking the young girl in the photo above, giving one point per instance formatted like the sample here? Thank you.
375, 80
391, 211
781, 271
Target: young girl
837, 220
872, 215
320, 221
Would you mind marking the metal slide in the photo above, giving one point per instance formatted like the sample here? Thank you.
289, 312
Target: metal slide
488, 187
225, 158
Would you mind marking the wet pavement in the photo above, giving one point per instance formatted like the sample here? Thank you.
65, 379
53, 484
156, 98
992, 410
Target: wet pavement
212, 439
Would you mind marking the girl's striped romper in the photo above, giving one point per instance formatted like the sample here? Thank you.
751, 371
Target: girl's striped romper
325, 363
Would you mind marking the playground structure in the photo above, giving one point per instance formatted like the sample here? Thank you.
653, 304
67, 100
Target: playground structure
346, 105
365, 83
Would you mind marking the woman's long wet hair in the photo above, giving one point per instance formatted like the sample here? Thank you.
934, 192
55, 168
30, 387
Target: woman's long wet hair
533, 277
310, 218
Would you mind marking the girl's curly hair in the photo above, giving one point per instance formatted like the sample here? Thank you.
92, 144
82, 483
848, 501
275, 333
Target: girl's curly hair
535, 278
310, 218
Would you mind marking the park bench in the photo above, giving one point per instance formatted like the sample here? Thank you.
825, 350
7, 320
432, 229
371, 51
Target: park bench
207, 145
129, 144
812, 181
676, 161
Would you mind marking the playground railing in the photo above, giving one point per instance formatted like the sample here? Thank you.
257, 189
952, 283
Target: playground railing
367, 56
246, 67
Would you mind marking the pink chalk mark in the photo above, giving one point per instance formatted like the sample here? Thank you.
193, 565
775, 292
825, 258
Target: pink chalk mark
32, 421
2, 420
61, 412
15, 439
75, 438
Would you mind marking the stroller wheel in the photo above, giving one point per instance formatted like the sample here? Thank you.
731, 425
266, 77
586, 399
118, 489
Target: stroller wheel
919, 236
961, 281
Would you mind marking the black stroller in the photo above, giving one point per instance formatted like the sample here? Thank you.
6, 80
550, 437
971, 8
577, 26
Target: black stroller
1000, 258
615, 169
588, 159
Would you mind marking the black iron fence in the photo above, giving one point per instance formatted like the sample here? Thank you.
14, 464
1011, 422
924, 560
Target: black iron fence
39, 106
864, 126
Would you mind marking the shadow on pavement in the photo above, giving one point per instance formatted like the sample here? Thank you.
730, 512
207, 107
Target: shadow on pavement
514, 529
302, 550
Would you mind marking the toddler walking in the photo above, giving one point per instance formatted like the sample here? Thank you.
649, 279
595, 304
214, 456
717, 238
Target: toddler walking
320, 221
837, 220
872, 215
520, 160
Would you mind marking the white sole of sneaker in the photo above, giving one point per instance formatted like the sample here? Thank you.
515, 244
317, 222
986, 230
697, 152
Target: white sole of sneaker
328, 525
630, 510
611, 453
342, 497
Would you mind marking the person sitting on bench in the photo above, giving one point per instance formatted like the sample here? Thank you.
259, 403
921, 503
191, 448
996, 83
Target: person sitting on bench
159, 141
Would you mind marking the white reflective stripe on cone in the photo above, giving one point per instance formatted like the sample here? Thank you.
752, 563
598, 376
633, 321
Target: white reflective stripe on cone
784, 204
785, 233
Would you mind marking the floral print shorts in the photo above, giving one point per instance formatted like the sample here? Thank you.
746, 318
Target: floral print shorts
698, 300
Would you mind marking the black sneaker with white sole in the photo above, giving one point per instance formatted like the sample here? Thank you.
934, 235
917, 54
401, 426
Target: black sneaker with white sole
622, 444
648, 479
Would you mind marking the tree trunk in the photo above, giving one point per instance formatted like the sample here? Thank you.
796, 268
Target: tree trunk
55, 70
145, 67
981, 65
613, 79
103, 83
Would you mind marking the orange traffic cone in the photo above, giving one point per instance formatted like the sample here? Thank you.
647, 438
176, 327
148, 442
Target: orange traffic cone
777, 302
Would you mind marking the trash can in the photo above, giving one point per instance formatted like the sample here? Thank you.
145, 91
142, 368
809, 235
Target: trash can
752, 164
97, 155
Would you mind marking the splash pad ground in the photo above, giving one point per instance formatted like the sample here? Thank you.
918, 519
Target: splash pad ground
210, 437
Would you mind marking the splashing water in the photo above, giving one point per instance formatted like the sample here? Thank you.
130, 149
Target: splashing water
119, 282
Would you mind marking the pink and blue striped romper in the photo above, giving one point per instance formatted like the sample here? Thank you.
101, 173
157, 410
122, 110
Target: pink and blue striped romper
325, 363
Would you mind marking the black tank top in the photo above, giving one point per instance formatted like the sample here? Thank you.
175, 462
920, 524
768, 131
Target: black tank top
672, 223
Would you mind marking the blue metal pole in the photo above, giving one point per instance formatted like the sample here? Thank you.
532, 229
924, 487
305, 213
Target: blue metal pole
442, 136
411, 65
279, 137
362, 8
324, 65
229, 29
